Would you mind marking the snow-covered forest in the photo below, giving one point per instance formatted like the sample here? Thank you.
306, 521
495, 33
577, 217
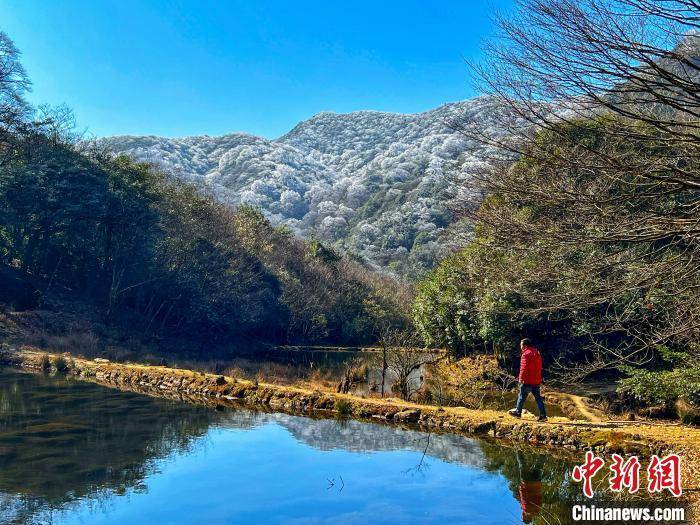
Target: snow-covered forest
378, 185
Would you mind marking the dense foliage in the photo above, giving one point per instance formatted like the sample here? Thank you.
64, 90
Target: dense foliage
466, 305
681, 378
521, 274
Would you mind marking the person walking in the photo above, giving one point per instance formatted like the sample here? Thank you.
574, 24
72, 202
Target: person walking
530, 378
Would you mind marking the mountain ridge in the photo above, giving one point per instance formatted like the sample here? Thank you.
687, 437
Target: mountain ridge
373, 183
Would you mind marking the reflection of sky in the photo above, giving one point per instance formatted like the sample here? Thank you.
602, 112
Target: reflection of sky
266, 476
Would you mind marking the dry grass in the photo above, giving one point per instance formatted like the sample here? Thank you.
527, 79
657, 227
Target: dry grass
465, 382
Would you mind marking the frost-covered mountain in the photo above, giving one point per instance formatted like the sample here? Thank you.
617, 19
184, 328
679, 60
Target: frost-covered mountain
375, 184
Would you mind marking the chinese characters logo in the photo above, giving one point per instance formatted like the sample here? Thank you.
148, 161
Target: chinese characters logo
662, 474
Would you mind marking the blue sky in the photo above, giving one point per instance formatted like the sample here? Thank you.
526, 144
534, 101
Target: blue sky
206, 67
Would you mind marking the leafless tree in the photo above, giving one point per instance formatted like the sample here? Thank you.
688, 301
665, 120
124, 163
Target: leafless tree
14, 109
58, 123
601, 109
404, 354
355, 372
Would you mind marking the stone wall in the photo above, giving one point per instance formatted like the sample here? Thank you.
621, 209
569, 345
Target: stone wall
212, 389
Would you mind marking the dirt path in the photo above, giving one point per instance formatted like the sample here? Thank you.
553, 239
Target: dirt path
585, 410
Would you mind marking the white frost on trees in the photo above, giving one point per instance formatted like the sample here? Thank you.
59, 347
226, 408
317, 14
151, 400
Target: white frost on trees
379, 184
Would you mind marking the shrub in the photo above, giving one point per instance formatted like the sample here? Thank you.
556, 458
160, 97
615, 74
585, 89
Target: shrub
665, 386
343, 407
60, 364
45, 363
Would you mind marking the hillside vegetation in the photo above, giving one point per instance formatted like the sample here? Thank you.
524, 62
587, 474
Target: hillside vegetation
375, 184
81, 224
589, 241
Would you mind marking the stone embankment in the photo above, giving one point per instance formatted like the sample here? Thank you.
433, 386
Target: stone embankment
561, 435
221, 390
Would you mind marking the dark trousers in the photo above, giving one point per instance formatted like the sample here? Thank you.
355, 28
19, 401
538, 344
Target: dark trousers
524, 390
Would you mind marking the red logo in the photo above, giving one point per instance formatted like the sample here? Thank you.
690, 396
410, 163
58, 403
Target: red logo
624, 474
586, 472
665, 474
662, 473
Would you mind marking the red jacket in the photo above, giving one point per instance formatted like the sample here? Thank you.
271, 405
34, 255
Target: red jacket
530, 366
530, 499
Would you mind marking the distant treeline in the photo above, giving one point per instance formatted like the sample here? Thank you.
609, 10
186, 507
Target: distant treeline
156, 255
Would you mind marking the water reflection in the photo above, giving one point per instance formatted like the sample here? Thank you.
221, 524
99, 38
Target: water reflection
63, 440
77, 452
530, 488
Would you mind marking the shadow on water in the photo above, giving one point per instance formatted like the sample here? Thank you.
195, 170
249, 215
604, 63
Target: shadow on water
68, 446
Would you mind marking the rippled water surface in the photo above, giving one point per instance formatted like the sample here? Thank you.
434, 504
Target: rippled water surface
75, 452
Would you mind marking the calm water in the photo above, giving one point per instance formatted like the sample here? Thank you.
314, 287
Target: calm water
74, 452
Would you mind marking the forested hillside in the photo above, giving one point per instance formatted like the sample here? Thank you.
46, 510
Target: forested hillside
378, 185
78, 223
576, 227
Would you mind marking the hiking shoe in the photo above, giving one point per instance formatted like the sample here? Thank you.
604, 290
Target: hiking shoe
542, 418
514, 412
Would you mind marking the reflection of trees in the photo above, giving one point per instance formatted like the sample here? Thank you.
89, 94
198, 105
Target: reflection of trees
87, 441
63, 440
329, 434
531, 476
540, 481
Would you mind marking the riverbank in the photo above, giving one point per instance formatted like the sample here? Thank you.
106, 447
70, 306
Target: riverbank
642, 439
